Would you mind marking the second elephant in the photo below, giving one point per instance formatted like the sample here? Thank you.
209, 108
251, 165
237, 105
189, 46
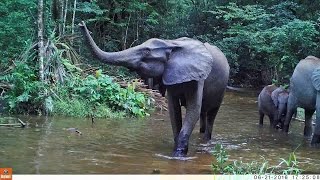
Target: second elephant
272, 101
155, 83
304, 93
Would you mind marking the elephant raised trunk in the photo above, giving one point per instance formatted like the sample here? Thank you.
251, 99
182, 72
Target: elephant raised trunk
120, 58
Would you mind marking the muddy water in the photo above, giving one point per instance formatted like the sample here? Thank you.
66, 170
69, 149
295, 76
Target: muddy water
131, 146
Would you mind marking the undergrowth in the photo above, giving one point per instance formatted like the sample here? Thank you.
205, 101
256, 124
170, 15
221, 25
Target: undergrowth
222, 165
66, 89
100, 97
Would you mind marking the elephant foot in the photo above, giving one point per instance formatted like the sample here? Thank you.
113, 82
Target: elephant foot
307, 132
207, 137
180, 152
285, 128
315, 139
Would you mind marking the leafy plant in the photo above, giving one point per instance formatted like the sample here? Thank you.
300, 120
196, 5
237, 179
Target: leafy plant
24, 97
290, 166
221, 165
103, 91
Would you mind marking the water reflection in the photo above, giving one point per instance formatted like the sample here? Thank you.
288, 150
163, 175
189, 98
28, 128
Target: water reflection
136, 146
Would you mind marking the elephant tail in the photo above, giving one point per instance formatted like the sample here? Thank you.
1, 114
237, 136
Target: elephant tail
241, 89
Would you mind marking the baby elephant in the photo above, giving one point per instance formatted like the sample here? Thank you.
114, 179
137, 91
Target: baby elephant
272, 102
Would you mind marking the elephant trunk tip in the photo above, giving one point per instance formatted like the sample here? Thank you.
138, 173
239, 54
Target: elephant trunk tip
82, 24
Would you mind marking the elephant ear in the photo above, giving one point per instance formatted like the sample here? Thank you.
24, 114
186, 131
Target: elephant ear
316, 79
275, 95
191, 61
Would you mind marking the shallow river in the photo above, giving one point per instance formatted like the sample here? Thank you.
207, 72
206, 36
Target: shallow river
140, 146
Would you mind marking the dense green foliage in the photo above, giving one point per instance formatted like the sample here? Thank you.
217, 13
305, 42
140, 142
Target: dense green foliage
263, 40
17, 27
24, 97
99, 92
221, 165
79, 95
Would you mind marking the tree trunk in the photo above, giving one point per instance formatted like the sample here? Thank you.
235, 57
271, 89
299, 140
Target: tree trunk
126, 34
61, 2
65, 9
41, 47
73, 16
40, 40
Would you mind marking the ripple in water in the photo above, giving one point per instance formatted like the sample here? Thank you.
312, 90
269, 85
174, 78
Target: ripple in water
175, 158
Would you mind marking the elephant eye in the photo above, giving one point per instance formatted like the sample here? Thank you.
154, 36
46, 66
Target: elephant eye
147, 51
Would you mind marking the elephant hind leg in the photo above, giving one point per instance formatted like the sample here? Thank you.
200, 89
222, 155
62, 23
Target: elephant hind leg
211, 115
308, 122
203, 118
291, 109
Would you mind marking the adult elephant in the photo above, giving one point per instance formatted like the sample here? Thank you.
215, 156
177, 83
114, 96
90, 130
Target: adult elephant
195, 74
304, 93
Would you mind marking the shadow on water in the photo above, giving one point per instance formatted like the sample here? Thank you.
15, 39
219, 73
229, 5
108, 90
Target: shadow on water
144, 146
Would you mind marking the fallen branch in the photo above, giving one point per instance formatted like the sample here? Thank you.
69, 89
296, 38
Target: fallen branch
160, 102
10, 125
20, 124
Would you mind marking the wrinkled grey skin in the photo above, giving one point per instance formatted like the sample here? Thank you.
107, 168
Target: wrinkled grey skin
304, 93
194, 73
272, 101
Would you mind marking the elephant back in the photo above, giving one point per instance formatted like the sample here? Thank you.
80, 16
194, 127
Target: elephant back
305, 67
306, 73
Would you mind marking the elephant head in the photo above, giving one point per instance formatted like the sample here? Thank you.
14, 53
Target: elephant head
176, 61
280, 99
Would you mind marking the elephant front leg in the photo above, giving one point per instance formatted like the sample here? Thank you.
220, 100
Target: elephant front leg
194, 100
175, 115
291, 109
308, 122
288, 120
316, 134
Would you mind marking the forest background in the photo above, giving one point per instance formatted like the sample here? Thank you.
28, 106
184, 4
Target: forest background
46, 68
